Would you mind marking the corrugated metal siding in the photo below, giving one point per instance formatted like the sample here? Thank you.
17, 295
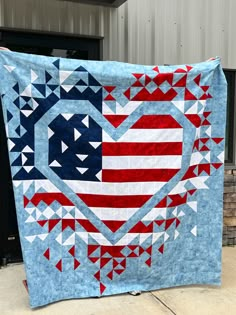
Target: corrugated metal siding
146, 32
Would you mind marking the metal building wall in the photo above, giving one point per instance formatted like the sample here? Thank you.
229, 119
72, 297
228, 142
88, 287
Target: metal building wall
140, 31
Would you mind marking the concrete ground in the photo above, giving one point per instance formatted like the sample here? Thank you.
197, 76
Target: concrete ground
194, 300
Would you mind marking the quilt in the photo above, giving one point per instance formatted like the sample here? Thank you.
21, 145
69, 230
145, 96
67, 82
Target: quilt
117, 172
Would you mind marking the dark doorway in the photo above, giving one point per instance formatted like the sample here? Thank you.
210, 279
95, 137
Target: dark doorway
48, 44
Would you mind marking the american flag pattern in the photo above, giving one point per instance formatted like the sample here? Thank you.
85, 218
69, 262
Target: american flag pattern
115, 170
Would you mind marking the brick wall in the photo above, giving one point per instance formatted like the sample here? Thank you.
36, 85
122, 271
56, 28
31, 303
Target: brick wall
229, 230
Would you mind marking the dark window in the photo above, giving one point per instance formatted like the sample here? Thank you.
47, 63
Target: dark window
229, 136
48, 44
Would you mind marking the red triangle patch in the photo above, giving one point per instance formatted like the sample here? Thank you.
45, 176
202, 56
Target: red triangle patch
161, 249
182, 82
92, 248
94, 259
97, 275
195, 119
104, 261
188, 96
109, 97
42, 222
217, 165
109, 89
47, 254
159, 222
156, 69
179, 70
119, 271
217, 140
138, 75
68, 223
59, 265
169, 222
110, 275
197, 79
76, 263
127, 93
72, 251
26, 201
102, 288
148, 262
189, 68
113, 225
52, 223
177, 222
116, 120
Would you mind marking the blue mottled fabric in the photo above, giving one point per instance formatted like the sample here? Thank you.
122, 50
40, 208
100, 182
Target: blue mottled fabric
117, 172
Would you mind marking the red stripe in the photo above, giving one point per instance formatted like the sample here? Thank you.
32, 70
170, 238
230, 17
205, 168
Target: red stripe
115, 120
48, 198
142, 149
111, 201
141, 175
103, 201
146, 121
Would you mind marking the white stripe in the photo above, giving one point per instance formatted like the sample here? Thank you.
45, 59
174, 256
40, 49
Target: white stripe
117, 189
154, 213
98, 188
100, 238
141, 162
126, 110
117, 214
148, 135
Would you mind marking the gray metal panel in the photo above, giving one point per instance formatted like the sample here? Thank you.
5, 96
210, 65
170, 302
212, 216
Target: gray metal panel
146, 32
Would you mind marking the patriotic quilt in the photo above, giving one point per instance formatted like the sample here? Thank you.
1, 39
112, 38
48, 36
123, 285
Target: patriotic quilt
117, 173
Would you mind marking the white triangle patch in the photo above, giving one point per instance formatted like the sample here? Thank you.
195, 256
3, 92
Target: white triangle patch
99, 175
33, 76
85, 121
67, 116
95, 144
166, 236
23, 158
10, 144
35, 104
26, 112
9, 68
50, 133
64, 147
82, 170
82, 157
28, 168
77, 134
208, 131
30, 219
43, 236
59, 238
27, 91
179, 105
156, 236
194, 231
27, 149
64, 75
221, 156
143, 237
55, 164
176, 234
30, 238
70, 240
193, 205
67, 88
17, 183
